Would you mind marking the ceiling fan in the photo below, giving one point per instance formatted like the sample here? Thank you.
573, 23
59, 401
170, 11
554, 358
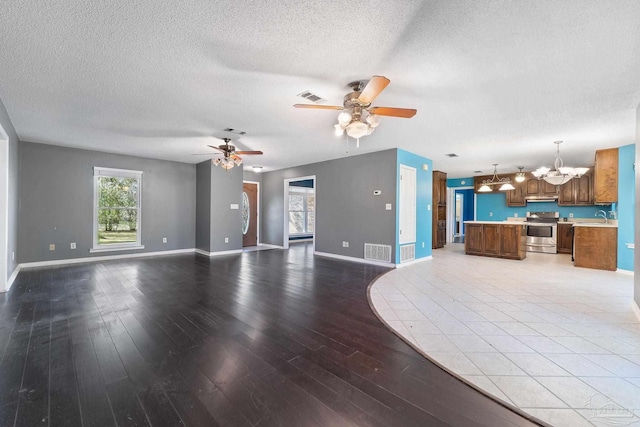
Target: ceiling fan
231, 157
358, 117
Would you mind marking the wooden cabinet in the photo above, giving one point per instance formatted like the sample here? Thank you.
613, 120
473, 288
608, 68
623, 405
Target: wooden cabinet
495, 240
540, 188
605, 180
596, 247
516, 197
565, 238
439, 231
577, 192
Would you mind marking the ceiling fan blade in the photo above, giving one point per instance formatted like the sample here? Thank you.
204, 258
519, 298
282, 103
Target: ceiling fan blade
217, 148
318, 107
248, 152
373, 89
405, 113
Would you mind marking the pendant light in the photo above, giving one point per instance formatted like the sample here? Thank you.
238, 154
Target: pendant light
505, 183
520, 176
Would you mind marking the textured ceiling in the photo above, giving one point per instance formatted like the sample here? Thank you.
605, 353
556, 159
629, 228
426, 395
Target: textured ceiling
493, 81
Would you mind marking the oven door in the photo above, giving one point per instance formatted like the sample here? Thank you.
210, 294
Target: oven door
541, 237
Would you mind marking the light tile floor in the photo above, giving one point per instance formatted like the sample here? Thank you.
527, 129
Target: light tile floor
559, 342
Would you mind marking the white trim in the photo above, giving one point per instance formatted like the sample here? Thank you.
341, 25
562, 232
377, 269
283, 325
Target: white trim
99, 172
257, 208
353, 259
415, 261
270, 246
4, 211
103, 258
116, 173
212, 254
13, 277
629, 272
636, 308
116, 248
285, 223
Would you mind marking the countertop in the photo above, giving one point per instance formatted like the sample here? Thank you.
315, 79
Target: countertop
495, 222
576, 222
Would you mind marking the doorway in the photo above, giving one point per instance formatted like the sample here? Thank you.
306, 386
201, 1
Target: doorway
250, 213
299, 210
463, 210
4, 208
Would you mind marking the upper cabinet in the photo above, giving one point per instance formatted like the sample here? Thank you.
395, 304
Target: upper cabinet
516, 197
606, 177
541, 188
577, 192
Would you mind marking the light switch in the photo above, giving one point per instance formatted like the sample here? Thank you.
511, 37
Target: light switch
235, 206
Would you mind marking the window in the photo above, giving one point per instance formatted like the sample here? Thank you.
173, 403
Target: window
301, 210
116, 207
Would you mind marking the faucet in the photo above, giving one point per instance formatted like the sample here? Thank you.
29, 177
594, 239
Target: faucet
602, 214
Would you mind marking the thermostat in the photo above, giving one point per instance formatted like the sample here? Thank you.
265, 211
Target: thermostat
377, 192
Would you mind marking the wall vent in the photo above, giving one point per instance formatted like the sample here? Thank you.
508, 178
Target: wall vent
407, 253
236, 131
451, 155
312, 97
377, 252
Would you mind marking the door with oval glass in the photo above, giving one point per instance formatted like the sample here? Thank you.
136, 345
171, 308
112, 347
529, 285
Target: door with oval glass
249, 214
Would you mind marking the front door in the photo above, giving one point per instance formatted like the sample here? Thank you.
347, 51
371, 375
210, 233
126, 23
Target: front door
249, 214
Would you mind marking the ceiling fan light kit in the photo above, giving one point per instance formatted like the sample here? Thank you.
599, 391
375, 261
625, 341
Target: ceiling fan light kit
562, 174
504, 183
231, 156
358, 118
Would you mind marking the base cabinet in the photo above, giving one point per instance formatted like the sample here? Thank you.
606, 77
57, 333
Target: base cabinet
596, 247
565, 238
495, 240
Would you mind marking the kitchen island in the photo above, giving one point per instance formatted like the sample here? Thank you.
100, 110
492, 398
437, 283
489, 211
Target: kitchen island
498, 239
596, 245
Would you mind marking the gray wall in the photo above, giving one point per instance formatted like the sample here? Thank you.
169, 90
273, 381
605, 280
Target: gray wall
217, 190
226, 189
14, 152
636, 264
56, 201
346, 208
203, 206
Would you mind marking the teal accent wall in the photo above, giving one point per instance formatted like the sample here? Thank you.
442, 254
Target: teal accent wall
460, 182
496, 203
626, 205
424, 200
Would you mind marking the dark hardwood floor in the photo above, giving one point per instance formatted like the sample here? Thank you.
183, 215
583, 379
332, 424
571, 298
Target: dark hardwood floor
268, 338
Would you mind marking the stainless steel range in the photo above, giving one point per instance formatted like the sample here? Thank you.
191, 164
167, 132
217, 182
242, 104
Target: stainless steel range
542, 232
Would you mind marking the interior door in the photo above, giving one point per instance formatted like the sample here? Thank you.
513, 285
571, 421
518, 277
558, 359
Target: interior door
249, 214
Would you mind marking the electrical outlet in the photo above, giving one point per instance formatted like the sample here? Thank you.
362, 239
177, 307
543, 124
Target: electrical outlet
73, 245
164, 240
570, 214
13, 256
490, 213
515, 215
52, 247
423, 244
428, 207
345, 244
226, 240
388, 206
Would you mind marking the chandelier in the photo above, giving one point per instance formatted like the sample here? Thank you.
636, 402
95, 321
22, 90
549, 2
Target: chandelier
505, 183
561, 174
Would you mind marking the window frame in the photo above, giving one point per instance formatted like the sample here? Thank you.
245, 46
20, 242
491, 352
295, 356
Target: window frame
99, 172
305, 192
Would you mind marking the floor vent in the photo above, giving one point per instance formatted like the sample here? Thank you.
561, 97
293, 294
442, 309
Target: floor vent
377, 252
407, 253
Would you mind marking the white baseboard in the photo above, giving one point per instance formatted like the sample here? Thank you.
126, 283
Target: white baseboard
13, 276
629, 272
102, 258
270, 246
354, 259
212, 254
414, 261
